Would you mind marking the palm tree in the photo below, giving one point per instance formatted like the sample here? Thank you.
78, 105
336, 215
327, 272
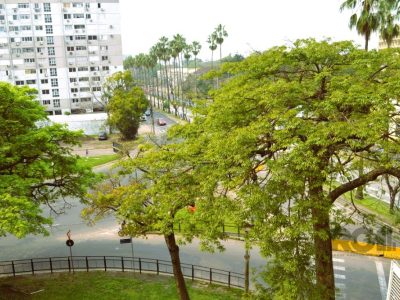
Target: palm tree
389, 13
220, 34
213, 46
367, 20
164, 54
187, 55
196, 47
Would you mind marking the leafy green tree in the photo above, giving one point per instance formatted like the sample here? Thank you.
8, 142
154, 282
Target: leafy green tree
126, 105
36, 164
156, 199
305, 114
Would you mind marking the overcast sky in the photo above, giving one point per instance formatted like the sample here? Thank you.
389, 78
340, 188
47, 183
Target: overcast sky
251, 24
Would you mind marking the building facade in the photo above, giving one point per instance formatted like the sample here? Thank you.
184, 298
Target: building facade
63, 48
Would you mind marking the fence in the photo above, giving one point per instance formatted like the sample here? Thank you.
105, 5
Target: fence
118, 263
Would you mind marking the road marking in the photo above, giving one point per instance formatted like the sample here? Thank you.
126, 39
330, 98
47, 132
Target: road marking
381, 279
340, 276
340, 260
339, 268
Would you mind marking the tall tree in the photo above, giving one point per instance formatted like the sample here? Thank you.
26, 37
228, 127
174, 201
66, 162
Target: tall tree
220, 35
389, 13
126, 104
304, 113
212, 44
36, 164
155, 200
368, 18
196, 47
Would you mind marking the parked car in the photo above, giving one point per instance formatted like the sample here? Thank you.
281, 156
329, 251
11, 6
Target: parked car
161, 122
102, 136
147, 113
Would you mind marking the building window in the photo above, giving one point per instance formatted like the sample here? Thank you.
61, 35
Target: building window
19, 82
39, 27
79, 16
96, 78
52, 61
53, 72
68, 27
106, 68
25, 27
74, 90
80, 48
47, 18
46, 7
92, 37
83, 79
79, 26
84, 89
83, 69
94, 68
55, 92
39, 39
96, 89
32, 81
67, 16
29, 60
45, 92
24, 17
72, 80
56, 102
27, 39
46, 102
70, 48
30, 71
69, 38
37, 17
75, 100
27, 50
86, 99
98, 5
44, 81
80, 37
103, 58
23, 5
72, 69
88, 16
103, 48
49, 29
51, 51
50, 40
77, 4
54, 82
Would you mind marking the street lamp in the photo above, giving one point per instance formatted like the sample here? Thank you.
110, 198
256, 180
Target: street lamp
246, 259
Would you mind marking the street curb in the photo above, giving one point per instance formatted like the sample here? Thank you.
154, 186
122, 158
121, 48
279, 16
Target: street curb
363, 248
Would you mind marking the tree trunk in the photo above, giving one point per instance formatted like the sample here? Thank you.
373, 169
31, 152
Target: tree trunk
176, 266
393, 190
322, 245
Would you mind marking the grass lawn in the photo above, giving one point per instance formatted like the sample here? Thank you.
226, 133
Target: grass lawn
376, 207
93, 161
107, 285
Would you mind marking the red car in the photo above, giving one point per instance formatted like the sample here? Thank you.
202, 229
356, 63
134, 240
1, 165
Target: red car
161, 122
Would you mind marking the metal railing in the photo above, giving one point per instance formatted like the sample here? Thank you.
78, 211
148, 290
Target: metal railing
118, 263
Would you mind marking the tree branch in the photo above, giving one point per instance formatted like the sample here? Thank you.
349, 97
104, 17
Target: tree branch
370, 176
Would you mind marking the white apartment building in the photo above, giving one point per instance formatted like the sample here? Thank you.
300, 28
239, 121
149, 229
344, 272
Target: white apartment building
63, 48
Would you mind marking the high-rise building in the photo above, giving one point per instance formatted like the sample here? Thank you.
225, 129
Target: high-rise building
63, 48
